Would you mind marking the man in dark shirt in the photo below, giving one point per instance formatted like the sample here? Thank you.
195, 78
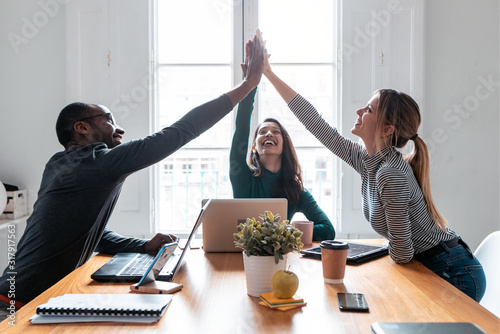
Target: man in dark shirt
80, 187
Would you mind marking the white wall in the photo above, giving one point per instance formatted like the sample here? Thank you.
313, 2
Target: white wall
462, 45
32, 91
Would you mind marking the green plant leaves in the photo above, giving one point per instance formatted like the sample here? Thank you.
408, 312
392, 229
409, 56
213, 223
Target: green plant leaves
269, 237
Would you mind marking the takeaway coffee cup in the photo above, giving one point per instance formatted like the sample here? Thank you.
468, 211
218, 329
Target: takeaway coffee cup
307, 231
334, 258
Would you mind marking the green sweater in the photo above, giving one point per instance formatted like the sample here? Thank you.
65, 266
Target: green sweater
245, 185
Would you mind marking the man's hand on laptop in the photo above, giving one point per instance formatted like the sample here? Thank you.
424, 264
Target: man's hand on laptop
154, 245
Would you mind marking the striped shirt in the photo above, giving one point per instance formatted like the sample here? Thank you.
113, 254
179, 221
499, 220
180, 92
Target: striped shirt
393, 202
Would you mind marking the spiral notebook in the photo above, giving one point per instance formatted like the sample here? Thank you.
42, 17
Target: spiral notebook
142, 308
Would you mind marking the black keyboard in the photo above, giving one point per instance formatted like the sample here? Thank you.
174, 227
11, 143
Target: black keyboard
357, 253
139, 265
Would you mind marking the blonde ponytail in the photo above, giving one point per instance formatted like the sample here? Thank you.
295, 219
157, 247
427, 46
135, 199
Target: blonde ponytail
402, 112
419, 162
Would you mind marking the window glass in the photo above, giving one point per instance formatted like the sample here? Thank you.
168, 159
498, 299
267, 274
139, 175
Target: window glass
183, 88
312, 81
194, 32
297, 31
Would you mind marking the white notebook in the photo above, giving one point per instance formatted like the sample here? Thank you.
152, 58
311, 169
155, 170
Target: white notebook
102, 307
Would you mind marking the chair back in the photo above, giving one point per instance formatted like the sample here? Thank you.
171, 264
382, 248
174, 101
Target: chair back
488, 253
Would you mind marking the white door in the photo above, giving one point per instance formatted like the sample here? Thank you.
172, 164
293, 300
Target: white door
382, 47
108, 62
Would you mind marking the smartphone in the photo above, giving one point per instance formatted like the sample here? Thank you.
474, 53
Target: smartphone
352, 302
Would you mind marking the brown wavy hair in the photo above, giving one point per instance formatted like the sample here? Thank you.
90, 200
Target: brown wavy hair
402, 112
289, 184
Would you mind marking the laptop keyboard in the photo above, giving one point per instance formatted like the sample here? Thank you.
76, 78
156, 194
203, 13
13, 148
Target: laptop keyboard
138, 265
357, 253
354, 249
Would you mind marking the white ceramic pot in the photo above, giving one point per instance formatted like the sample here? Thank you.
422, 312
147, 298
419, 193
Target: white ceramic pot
259, 271
3, 197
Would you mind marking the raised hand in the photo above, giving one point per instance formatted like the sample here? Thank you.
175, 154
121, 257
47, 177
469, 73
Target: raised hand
255, 62
244, 66
252, 69
286, 92
267, 66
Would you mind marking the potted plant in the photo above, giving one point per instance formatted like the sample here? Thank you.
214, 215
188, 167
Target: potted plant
265, 245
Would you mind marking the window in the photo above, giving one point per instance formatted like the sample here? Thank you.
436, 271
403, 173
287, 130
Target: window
193, 72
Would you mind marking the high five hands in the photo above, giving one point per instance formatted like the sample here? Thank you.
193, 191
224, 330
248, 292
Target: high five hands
254, 59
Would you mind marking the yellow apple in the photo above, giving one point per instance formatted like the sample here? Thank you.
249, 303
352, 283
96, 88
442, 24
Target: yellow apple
284, 283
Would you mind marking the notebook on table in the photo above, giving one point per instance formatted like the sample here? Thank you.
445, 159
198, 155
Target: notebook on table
131, 267
426, 328
222, 217
102, 307
358, 252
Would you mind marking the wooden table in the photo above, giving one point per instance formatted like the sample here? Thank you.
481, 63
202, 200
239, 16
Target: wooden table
214, 300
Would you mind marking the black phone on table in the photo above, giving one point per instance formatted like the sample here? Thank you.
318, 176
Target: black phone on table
352, 302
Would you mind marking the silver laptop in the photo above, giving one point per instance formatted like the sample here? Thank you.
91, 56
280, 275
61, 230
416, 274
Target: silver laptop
426, 328
222, 217
131, 267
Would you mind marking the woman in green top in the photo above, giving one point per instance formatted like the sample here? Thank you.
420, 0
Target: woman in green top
273, 169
